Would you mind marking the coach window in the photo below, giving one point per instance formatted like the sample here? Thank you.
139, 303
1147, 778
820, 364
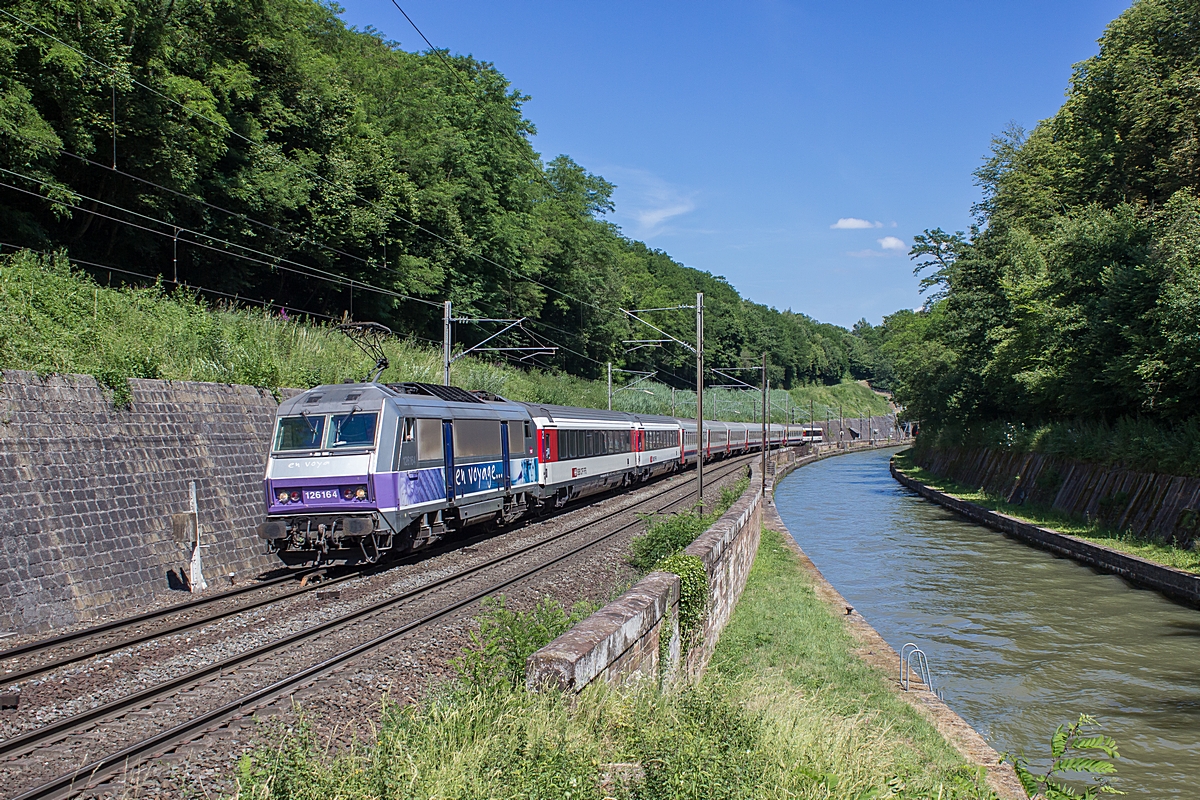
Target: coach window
476, 438
429, 440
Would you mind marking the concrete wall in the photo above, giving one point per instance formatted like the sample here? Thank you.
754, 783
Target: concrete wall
1157, 506
623, 641
88, 491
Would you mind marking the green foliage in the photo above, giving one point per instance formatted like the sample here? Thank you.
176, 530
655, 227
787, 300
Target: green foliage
1145, 444
1075, 750
506, 639
787, 711
55, 320
666, 535
337, 151
719, 755
693, 590
1077, 293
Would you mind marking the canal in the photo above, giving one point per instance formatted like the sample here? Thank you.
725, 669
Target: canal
1019, 640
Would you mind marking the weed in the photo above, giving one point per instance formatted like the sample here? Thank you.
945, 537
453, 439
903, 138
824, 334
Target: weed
793, 714
55, 320
693, 591
1074, 750
667, 535
506, 639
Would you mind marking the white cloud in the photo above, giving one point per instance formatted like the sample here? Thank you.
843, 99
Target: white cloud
650, 218
854, 223
647, 201
892, 243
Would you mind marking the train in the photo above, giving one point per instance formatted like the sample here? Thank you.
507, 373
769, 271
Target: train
360, 471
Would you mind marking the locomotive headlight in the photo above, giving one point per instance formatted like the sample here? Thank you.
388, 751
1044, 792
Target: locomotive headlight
360, 493
282, 497
348, 493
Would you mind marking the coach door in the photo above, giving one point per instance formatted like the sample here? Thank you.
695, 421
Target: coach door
448, 447
504, 456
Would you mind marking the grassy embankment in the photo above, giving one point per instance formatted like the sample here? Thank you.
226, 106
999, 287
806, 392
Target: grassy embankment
1047, 517
55, 320
786, 711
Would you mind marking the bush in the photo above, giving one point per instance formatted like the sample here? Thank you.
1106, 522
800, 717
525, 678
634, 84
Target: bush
693, 590
670, 534
506, 639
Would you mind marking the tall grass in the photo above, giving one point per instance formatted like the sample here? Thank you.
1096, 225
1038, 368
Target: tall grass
56, 320
789, 711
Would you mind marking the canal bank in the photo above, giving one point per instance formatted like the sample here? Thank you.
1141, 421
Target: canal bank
1173, 583
1020, 641
874, 650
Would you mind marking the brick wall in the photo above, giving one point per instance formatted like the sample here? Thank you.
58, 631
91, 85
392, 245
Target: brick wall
87, 491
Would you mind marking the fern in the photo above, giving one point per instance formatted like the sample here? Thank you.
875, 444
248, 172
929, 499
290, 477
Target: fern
1075, 751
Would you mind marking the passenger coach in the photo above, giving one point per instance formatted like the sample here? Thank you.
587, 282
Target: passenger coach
359, 470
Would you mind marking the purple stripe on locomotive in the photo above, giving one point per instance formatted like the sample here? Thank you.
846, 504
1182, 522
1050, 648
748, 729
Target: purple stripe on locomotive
318, 494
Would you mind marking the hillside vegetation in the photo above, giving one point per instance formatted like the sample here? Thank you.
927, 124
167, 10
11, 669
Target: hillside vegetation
262, 149
1073, 303
58, 320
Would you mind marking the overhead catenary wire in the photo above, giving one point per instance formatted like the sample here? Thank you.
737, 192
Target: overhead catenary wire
275, 262
469, 87
185, 285
230, 130
180, 284
207, 204
387, 212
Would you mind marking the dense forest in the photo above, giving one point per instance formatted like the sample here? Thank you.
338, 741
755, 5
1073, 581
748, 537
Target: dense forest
1076, 294
261, 149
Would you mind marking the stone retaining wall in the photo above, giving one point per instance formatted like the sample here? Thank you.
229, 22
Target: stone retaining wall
1165, 507
623, 641
89, 490
1174, 583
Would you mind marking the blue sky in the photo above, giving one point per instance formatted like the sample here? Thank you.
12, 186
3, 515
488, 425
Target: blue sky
739, 134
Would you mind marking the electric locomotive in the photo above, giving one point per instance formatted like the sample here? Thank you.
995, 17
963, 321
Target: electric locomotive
360, 470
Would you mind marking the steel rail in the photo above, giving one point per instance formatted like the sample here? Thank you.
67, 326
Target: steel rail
40, 646
53, 732
7, 679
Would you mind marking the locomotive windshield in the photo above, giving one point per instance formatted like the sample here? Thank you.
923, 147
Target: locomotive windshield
352, 430
299, 433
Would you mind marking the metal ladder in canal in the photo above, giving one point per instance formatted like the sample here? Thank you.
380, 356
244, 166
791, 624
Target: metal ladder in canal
913, 659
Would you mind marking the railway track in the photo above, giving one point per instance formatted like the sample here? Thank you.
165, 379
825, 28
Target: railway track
74, 734
12, 673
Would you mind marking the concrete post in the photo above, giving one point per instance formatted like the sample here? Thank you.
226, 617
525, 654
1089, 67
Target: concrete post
196, 574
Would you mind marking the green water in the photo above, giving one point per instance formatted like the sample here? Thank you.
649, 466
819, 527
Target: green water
1019, 640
